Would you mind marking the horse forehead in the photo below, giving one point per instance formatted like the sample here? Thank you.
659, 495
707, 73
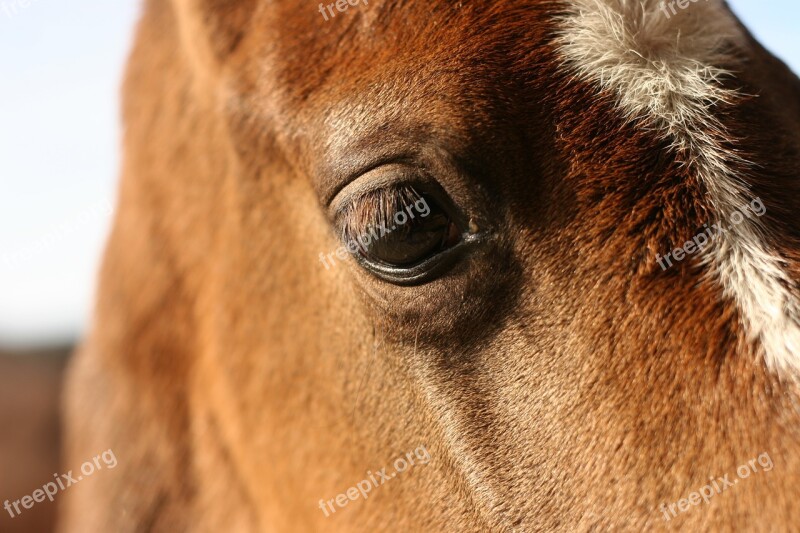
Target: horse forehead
412, 42
394, 65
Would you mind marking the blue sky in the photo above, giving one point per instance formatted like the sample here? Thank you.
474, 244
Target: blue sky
61, 64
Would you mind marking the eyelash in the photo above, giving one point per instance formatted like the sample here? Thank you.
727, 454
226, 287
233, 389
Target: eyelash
375, 209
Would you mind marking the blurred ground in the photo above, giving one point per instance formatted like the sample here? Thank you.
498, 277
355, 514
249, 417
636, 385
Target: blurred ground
30, 387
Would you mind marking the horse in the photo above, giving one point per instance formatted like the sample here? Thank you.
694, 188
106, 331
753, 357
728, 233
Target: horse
551, 347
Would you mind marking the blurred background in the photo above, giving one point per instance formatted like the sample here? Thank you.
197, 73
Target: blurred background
61, 65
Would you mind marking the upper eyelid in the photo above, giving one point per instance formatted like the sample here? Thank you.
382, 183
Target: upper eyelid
359, 165
376, 178
395, 174
347, 208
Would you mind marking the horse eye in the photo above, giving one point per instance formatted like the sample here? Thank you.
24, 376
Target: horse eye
413, 241
398, 233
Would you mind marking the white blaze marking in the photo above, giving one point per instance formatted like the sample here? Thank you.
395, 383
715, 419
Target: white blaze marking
662, 69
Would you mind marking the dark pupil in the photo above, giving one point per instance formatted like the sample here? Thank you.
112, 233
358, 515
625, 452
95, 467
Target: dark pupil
413, 241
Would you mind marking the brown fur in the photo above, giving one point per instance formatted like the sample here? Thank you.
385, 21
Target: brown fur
559, 379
